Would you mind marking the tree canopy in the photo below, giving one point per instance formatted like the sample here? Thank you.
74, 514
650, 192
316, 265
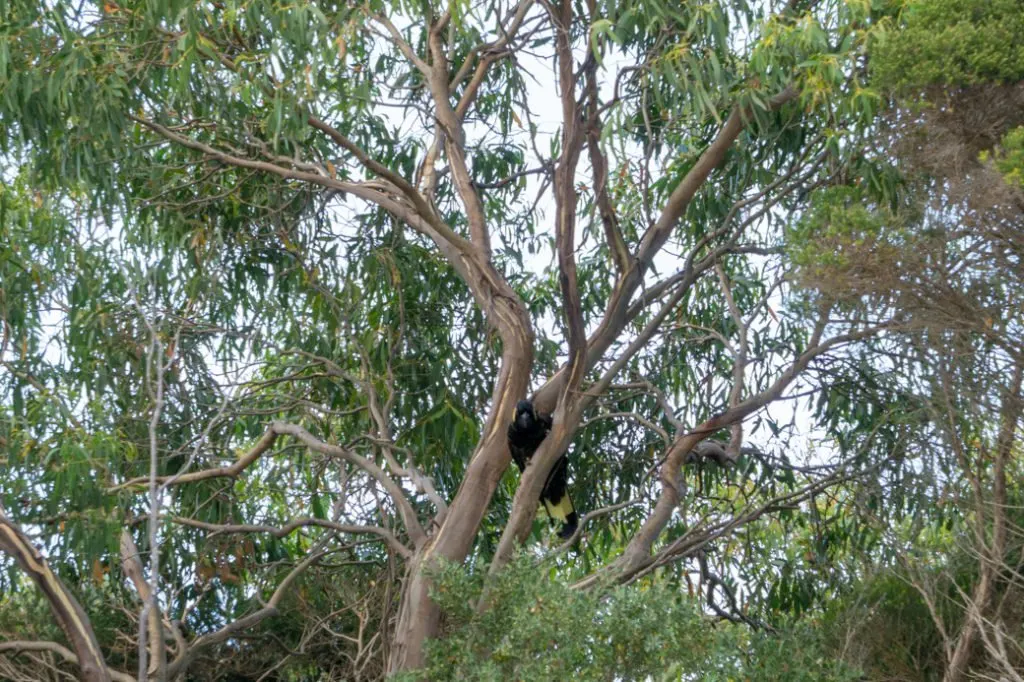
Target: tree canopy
274, 276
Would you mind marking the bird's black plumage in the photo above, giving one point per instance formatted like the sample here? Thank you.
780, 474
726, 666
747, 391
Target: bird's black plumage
525, 434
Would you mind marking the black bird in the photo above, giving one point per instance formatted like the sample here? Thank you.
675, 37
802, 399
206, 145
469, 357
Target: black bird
525, 434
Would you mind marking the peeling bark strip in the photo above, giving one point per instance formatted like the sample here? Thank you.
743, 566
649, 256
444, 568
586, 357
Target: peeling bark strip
69, 613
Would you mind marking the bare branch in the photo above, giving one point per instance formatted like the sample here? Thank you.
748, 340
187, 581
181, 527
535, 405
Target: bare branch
455, 142
402, 44
507, 34
565, 198
702, 534
599, 167
379, 414
233, 471
276, 429
635, 416
713, 580
739, 362
180, 664
382, 193
16, 647
423, 209
294, 525
405, 510
663, 403
149, 619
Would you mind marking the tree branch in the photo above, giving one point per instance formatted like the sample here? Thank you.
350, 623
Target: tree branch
653, 240
17, 646
132, 566
455, 142
507, 35
599, 166
69, 613
405, 509
638, 550
402, 44
699, 537
395, 492
181, 664
565, 198
740, 355
295, 524
233, 471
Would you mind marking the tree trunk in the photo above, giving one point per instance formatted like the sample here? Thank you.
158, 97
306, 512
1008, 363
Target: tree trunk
418, 615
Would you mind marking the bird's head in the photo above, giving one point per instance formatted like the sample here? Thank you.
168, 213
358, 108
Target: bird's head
525, 415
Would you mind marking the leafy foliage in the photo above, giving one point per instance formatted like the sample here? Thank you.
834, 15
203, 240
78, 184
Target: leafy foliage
542, 628
953, 43
241, 262
1010, 159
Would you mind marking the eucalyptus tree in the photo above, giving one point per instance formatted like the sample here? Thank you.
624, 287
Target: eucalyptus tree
275, 276
947, 257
